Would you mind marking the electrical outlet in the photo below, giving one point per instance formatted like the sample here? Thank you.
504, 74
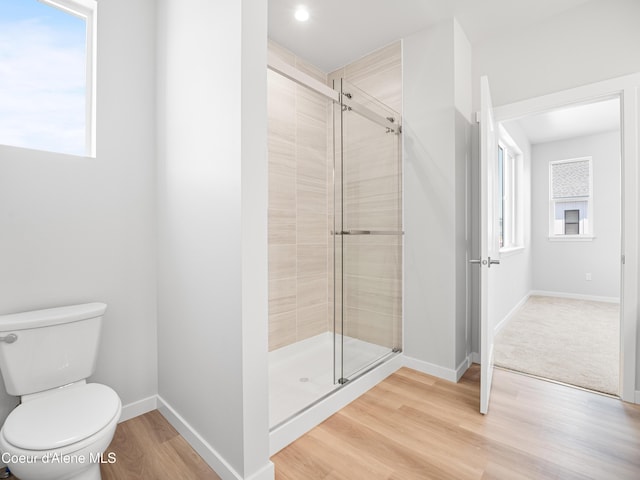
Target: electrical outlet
588, 277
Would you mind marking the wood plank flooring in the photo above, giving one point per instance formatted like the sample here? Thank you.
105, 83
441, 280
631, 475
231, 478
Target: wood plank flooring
414, 426
149, 448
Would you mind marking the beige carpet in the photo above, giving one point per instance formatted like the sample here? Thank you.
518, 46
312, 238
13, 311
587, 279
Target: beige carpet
570, 341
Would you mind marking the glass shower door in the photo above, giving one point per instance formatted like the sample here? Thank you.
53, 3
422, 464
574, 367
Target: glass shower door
368, 233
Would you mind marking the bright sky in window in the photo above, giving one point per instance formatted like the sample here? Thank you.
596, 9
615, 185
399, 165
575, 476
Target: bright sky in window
42, 77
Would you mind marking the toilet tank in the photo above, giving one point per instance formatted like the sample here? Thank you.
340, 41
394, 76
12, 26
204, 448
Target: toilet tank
45, 349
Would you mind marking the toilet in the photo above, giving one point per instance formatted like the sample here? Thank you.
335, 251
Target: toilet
63, 424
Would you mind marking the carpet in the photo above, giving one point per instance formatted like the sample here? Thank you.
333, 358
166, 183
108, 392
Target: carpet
566, 340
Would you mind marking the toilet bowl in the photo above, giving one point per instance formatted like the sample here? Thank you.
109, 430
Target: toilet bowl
61, 434
63, 424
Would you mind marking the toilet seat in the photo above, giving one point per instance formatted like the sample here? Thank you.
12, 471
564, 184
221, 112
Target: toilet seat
61, 418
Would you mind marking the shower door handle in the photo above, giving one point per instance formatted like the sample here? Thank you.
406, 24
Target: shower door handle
372, 232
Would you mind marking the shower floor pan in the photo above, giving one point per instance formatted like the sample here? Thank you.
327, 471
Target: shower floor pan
302, 373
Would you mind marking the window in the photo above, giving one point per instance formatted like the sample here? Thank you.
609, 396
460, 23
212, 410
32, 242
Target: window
571, 222
510, 203
47, 91
570, 199
500, 208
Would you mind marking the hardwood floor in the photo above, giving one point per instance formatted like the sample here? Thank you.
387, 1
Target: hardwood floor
414, 426
149, 448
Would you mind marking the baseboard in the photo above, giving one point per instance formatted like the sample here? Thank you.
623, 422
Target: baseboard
462, 368
268, 472
475, 357
432, 369
637, 399
507, 318
438, 371
576, 296
205, 450
131, 410
286, 433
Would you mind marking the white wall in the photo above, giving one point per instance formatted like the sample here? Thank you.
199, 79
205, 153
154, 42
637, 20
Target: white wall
587, 44
513, 279
561, 266
81, 229
463, 124
436, 135
592, 42
429, 179
212, 311
631, 107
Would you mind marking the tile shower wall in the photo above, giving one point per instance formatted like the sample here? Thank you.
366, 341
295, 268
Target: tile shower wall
301, 262
372, 282
298, 210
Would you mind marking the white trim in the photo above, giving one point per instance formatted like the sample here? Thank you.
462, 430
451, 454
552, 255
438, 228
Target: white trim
432, 369
205, 450
509, 316
296, 427
571, 238
509, 251
512, 193
88, 11
629, 244
72, 6
475, 357
575, 296
92, 80
553, 101
628, 89
441, 372
637, 397
137, 408
268, 472
463, 367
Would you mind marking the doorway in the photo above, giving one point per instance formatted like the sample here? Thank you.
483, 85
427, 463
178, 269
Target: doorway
565, 170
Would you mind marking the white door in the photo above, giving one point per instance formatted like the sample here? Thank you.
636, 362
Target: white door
489, 238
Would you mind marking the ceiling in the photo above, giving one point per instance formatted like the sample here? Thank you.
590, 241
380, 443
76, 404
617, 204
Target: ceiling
341, 31
574, 121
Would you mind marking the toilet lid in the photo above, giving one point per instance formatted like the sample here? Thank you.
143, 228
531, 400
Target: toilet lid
61, 418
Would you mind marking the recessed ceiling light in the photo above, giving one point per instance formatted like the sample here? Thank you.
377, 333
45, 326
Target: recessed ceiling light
302, 14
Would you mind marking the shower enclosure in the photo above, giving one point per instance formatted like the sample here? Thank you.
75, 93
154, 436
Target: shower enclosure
335, 237
367, 231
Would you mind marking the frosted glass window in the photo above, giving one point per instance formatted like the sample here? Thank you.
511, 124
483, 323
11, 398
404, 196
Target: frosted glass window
46, 76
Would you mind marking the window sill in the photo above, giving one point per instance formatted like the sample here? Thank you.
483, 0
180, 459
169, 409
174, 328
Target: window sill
571, 238
508, 251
